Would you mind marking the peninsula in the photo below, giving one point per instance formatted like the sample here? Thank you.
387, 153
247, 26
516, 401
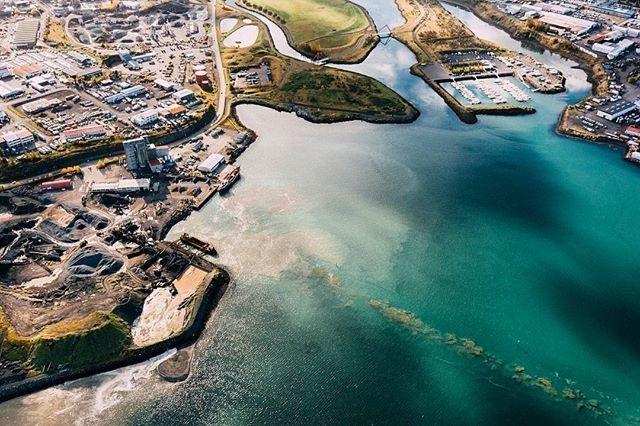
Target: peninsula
473, 76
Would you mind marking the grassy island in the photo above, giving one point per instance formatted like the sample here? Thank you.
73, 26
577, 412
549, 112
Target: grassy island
336, 29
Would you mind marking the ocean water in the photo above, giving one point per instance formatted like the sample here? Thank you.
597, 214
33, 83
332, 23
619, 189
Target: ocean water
501, 232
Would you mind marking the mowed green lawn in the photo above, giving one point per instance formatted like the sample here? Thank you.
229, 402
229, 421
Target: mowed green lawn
324, 22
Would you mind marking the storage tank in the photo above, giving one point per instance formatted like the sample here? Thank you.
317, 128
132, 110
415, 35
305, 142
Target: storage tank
202, 78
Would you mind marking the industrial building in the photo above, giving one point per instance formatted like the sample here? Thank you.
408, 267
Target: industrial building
122, 186
632, 131
26, 34
568, 23
16, 142
9, 92
39, 105
616, 110
173, 110
86, 132
184, 96
145, 118
136, 153
613, 50
80, 58
167, 86
5, 72
129, 92
211, 163
28, 70
42, 82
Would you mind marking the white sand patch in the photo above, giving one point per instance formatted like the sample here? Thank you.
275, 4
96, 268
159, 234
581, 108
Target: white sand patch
227, 24
242, 37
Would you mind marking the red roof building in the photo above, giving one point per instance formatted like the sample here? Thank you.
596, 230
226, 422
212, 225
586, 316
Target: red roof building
84, 132
633, 131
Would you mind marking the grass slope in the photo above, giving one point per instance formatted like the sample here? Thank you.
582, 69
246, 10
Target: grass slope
337, 29
94, 338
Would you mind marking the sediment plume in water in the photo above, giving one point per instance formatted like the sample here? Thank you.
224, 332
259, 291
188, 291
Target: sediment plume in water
467, 347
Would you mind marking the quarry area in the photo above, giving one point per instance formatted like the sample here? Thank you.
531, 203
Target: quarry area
86, 275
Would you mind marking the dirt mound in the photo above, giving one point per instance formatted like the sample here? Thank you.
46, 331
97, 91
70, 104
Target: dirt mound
19, 205
9, 228
79, 227
94, 260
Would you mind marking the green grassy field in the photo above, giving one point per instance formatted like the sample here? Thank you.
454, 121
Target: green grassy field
334, 28
332, 94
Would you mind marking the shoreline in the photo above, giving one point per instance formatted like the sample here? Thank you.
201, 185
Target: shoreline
468, 115
595, 78
427, 54
307, 114
210, 299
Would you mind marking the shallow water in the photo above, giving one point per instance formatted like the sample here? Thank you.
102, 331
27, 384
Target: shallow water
500, 232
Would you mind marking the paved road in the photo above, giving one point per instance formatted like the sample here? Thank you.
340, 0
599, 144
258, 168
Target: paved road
221, 110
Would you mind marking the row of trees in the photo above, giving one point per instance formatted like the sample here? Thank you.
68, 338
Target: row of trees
265, 11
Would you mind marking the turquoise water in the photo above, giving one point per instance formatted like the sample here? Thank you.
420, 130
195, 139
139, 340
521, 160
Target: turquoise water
500, 232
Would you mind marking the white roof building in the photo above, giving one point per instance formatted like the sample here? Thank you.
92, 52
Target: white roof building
184, 95
145, 117
616, 110
7, 91
123, 185
211, 163
167, 86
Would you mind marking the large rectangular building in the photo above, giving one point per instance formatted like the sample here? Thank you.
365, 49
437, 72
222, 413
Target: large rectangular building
26, 34
211, 163
86, 132
9, 92
569, 23
122, 186
145, 118
616, 110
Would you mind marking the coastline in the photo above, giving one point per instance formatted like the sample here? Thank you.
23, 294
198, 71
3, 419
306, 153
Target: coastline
306, 113
209, 299
466, 114
593, 69
426, 53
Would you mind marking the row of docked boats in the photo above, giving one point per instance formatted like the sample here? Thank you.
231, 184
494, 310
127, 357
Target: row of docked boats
466, 93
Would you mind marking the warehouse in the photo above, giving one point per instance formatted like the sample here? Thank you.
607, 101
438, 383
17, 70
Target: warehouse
129, 92
569, 23
184, 96
616, 110
211, 163
167, 86
122, 186
9, 92
145, 118
86, 132
37, 106
26, 34
5, 71
17, 142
